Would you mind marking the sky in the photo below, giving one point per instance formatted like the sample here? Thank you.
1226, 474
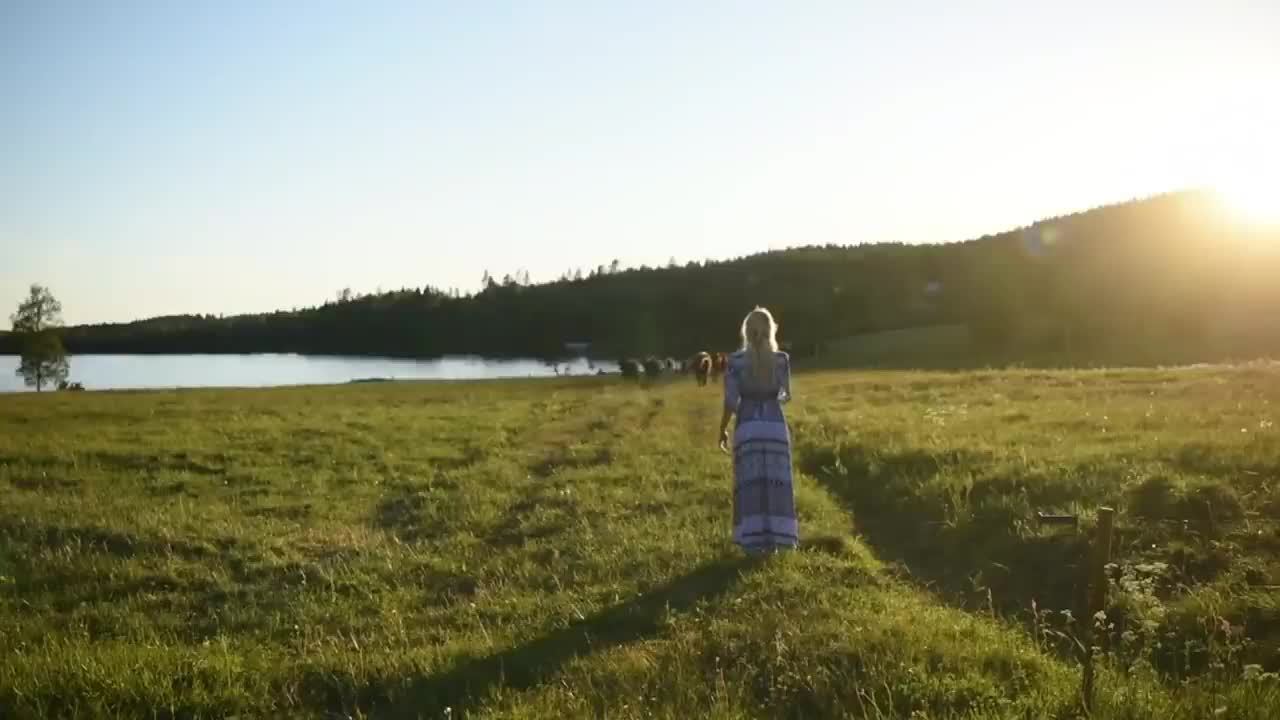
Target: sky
246, 155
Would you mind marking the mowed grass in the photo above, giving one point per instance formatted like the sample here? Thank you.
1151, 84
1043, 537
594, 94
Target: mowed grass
560, 548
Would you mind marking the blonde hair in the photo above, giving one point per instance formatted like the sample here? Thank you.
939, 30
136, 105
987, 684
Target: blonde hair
760, 342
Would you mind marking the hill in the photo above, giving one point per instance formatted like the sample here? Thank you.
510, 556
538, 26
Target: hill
1168, 277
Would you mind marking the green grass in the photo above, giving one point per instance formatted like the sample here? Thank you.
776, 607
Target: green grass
560, 548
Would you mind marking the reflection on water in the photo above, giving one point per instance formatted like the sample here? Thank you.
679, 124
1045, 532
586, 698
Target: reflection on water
119, 372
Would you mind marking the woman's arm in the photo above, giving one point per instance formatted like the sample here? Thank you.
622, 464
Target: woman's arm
730, 405
725, 417
785, 381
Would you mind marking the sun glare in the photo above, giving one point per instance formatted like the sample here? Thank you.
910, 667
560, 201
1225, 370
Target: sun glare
1254, 200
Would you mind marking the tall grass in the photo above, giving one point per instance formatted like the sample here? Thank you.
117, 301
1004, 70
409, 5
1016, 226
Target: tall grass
560, 548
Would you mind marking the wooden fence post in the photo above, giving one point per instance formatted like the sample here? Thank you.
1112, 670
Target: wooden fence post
1097, 596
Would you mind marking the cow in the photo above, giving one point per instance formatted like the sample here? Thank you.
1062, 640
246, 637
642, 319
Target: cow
719, 363
652, 367
700, 363
630, 368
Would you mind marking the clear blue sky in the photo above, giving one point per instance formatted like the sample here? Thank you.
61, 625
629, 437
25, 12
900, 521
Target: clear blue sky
233, 156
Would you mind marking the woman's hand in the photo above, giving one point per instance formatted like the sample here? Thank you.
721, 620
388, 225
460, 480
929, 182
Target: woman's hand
724, 440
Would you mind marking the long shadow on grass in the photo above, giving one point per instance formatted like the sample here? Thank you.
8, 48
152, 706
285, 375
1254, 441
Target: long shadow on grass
527, 665
107, 541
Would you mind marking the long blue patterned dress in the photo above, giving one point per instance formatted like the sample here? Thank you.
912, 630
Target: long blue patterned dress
764, 512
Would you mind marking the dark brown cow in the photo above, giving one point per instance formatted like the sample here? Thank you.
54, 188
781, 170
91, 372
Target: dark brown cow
652, 367
630, 368
719, 363
700, 363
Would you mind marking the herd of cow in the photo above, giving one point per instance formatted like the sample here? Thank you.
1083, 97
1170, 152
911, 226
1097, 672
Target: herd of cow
702, 365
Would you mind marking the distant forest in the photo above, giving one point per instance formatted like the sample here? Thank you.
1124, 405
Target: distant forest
1173, 272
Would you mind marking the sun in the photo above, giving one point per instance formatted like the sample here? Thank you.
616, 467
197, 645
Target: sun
1254, 203
1254, 199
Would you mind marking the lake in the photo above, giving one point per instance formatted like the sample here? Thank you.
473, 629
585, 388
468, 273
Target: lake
125, 372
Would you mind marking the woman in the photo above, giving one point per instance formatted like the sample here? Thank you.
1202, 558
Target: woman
756, 383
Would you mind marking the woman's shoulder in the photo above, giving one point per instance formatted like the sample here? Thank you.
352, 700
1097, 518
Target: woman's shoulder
741, 358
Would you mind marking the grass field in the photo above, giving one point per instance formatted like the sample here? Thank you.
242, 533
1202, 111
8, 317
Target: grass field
559, 548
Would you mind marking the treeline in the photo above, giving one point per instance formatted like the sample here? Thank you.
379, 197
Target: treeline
817, 292
1173, 269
